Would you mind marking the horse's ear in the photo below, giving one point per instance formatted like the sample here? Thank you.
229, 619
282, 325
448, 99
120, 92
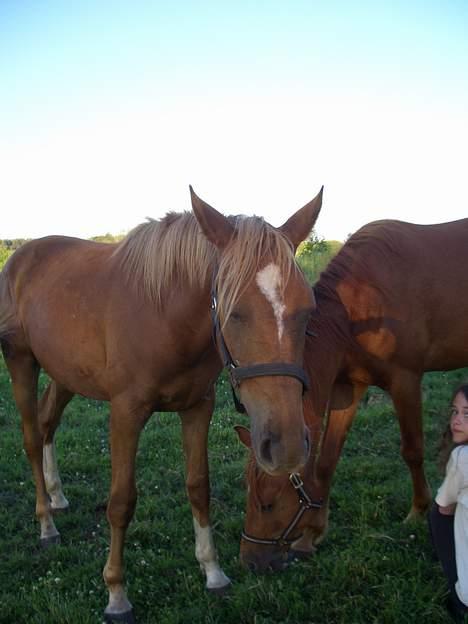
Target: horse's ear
298, 227
342, 395
214, 225
244, 435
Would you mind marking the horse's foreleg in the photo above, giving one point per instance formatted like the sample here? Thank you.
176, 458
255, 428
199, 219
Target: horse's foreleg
338, 423
51, 406
125, 428
195, 424
406, 396
24, 371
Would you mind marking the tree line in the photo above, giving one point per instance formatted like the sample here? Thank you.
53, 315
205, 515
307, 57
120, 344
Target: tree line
313, 254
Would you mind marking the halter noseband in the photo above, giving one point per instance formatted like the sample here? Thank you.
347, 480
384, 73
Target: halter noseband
305, 503
238, 373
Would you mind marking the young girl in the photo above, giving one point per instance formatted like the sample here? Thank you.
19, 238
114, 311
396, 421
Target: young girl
448, 518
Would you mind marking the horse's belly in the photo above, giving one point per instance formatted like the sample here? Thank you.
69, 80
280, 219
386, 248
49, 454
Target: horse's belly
77, 379
77, 363
447, 356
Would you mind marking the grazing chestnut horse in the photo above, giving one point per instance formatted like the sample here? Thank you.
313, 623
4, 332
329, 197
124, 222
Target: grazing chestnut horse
390, 306
132, 324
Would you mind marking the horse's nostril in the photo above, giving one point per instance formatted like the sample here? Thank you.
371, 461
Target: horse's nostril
252, 566
265, 450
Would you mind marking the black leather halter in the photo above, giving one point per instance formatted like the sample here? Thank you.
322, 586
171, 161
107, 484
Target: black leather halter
305, 503
238, 373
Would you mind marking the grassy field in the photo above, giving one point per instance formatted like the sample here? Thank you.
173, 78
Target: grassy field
371, 569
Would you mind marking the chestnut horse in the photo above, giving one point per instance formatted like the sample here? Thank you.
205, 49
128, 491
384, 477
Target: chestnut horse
131, 324
390, 307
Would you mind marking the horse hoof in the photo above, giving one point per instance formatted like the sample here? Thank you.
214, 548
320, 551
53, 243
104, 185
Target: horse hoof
219, 591
60, 507
126, 617
59, 504
46, 542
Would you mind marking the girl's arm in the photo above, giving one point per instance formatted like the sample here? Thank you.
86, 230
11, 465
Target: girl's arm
448, 492
449, 510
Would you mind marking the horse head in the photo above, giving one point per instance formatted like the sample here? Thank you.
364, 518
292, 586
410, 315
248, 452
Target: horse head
276, 518
262, 304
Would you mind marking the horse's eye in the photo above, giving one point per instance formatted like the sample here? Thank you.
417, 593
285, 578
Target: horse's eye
267, 508
237, 317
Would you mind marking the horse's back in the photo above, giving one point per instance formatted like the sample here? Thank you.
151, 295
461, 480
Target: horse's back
409, 241
413, 278
405, 258
51, 272
51, 256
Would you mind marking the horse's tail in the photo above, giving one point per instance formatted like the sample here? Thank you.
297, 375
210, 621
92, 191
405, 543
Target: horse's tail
8, 319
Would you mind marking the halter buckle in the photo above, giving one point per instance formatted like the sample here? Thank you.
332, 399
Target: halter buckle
296, 481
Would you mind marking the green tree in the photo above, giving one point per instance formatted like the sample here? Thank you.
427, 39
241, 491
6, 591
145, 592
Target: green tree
5, 253
108, 238
314, 254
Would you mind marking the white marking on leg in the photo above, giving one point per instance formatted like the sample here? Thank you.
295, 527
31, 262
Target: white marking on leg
52, 477
269, 282
207, 557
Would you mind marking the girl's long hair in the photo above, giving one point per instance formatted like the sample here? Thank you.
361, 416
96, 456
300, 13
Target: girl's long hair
447, 444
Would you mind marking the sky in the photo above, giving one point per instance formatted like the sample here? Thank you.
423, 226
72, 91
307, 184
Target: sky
109, 110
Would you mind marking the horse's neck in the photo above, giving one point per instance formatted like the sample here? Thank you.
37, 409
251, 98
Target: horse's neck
325, 358
324, 367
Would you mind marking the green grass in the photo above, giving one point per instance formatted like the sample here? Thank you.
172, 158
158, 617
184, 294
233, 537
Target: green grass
372, 568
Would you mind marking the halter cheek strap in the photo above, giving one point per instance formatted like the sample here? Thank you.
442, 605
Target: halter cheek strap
238, 373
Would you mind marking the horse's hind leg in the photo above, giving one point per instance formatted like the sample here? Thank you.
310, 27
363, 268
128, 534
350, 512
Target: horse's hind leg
24, 371
195, 424
406, 396
54, 400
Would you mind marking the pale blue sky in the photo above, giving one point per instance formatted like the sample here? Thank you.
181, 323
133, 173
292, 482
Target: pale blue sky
109, 110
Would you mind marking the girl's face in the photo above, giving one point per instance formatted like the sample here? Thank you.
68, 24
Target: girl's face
459, 419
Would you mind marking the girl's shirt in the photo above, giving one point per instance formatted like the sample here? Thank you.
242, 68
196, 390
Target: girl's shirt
454, 489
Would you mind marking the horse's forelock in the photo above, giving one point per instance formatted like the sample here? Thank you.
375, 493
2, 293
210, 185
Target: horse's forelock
255, 243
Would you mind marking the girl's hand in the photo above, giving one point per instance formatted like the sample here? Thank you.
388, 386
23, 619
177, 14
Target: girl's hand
449, 510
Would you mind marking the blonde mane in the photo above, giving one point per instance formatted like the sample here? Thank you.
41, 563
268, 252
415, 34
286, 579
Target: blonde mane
159, 255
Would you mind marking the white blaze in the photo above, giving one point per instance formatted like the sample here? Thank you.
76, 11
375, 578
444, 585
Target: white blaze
269, 282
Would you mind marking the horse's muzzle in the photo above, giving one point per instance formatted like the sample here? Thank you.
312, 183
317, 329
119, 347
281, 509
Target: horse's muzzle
269, 560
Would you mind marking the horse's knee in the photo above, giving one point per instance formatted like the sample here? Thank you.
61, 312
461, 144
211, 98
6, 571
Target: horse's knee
198, 492
121, 508
413, 455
